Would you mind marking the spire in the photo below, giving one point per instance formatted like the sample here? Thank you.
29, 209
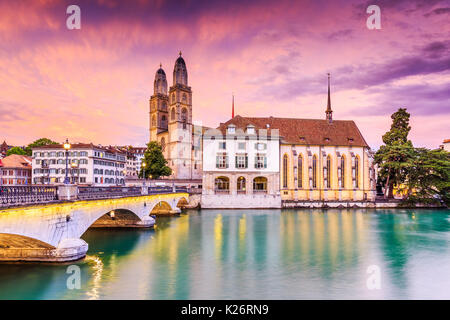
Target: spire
180, 53
232, 108
329, 112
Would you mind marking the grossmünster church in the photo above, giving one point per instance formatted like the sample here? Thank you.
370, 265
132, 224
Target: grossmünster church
260, 161
171, 123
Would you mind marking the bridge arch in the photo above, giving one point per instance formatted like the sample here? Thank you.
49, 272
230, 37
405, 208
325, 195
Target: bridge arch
182, 202
122, 218
54, 229
17, 241
161, 207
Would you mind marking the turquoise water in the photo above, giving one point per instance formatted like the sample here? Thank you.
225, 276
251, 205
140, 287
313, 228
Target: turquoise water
255, 254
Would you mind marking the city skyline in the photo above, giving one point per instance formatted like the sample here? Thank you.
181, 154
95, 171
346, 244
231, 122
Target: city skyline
93, 84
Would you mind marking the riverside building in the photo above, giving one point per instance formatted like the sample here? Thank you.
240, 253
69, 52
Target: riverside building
15, 170
312, 161
87, 164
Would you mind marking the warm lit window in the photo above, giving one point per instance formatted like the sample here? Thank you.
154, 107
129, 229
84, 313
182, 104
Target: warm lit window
300, 172
260, 184
327, 173
314, 172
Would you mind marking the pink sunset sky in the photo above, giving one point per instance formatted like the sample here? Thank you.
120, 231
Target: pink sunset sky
93, 84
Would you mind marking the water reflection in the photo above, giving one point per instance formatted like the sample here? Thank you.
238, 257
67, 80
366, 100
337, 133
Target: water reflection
260, 254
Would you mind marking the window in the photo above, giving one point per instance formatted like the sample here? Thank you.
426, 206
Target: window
163, 121
184, 98
222, 184
343, 172
327, 173
285, 166
300, 172
231, 128
250, 129
163, 144
314, 172
356, 172
241, 145
260, 161
222, 145
222, 161
241, 161
241, 185
172, 114
184, 117
260, 146
260, 184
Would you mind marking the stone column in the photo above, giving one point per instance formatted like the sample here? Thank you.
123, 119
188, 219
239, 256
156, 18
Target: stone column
68, 192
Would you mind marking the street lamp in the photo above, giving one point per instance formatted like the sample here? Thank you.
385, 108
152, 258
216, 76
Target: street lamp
67, 148
143, 172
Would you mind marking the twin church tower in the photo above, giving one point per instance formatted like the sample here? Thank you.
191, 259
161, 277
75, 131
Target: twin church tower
171, 122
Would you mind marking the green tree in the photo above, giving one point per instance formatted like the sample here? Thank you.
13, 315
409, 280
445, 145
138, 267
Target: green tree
15, 150
395, 157
153, 164
429, 178
38, 143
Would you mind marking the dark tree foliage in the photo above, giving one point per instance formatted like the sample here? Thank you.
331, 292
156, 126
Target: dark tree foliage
154, 164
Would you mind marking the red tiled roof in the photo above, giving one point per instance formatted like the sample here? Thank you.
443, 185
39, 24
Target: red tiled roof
16, 161
304, 131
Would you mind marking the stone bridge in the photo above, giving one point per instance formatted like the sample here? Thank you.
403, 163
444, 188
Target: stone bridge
52, 231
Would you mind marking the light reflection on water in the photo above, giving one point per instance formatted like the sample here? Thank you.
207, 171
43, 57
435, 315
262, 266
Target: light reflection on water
255, 254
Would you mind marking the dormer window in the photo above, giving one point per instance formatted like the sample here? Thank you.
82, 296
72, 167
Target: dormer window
327, 139
350, 140
250, 129
231, 129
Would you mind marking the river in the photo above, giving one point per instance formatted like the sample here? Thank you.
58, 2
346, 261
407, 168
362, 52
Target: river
254, 254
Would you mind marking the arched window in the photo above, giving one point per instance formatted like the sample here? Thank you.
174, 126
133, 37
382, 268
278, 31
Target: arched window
172, 114
184, 98
300, 172
222, 184
343, 171
314, 172
184, 117
327, 172
241, 185
153, 121
164, 106
285, 168
260, 184
163, 144
163, 121
357, 172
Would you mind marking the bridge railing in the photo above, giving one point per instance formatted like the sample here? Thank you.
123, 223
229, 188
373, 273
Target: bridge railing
22, 195
16, 195
85, 193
